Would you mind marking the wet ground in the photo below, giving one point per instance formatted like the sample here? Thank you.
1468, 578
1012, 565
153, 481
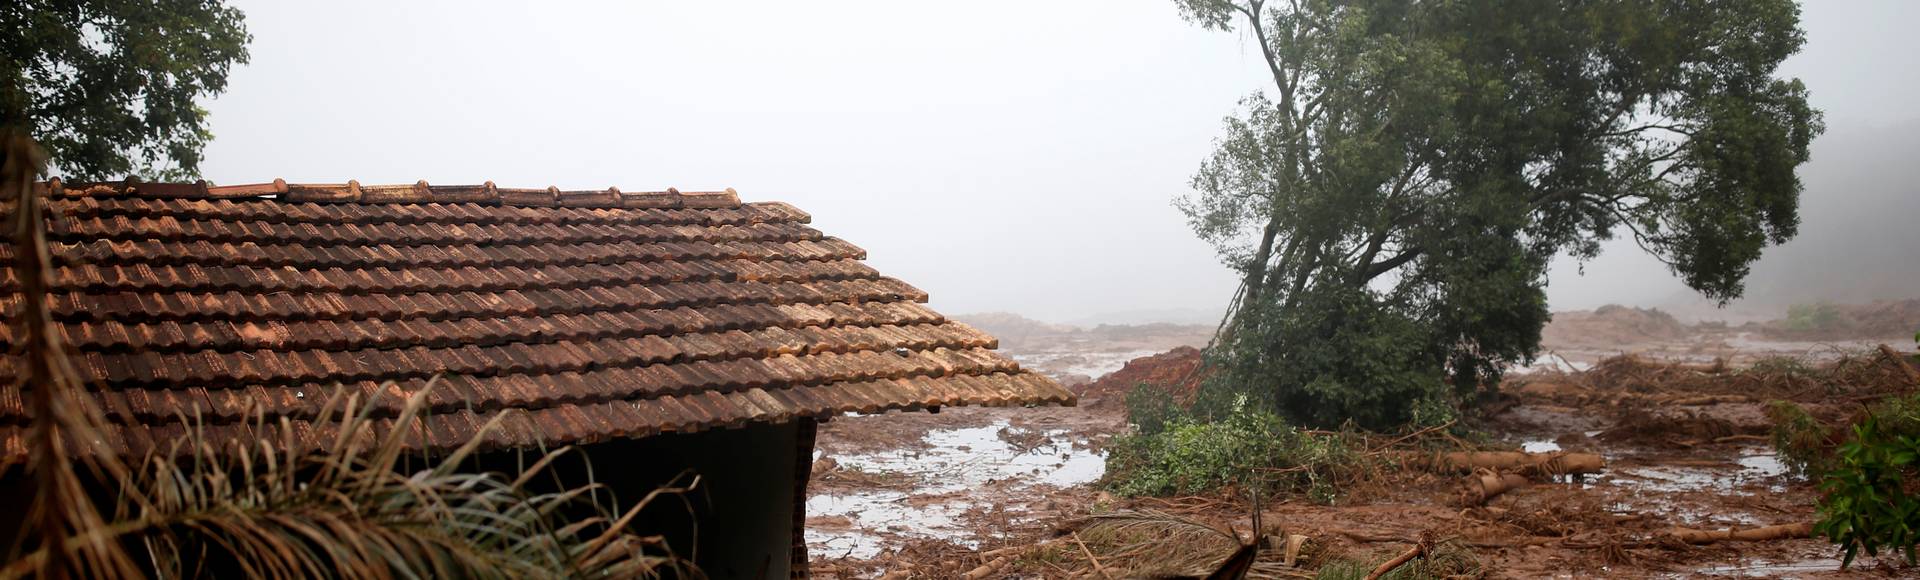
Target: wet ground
979, 479
956, 479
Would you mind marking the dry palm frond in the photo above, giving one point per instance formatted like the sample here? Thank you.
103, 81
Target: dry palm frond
1151, 542
270, 508
65, 440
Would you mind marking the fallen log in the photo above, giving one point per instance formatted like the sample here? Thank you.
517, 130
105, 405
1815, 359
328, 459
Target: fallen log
1556, 463
988, 569
1489, 484
1761, 534
1704, 400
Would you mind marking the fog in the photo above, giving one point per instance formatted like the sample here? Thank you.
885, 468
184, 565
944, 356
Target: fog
1003, 155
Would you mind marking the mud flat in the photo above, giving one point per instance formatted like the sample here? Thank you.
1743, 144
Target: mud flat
922, 495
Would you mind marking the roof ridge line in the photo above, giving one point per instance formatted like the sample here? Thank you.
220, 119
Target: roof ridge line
417, 192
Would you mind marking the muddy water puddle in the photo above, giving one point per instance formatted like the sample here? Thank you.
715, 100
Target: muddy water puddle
1772, 569
1754, 465
1675, 490
958, 471
1087, 364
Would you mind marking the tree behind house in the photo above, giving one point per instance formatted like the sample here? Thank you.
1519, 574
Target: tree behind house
108, 87
1393, 200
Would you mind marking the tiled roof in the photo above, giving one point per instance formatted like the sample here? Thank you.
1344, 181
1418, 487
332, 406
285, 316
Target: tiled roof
601, 314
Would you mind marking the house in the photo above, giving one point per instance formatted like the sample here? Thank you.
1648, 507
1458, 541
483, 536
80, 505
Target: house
659, 331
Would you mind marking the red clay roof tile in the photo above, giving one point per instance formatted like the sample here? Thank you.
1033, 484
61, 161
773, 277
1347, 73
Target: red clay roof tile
584, 315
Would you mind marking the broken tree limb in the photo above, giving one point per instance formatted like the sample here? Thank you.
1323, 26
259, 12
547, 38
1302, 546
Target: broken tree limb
1556, 463
1095, 561
1704, 400
1906, 367
1398, 561
988, 569
1489, 484
1761, 534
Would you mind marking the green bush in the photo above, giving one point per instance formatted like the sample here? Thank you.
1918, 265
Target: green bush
1337, 358
1248, 448
1866, 506
1799, 439
1151, 409
1811, 317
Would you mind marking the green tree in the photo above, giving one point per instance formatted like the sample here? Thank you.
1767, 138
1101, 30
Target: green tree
108, 87
1393, 200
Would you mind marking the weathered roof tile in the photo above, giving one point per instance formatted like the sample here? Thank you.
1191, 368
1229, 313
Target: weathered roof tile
587, 315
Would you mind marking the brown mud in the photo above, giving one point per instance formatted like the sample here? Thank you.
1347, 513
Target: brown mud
1683, 439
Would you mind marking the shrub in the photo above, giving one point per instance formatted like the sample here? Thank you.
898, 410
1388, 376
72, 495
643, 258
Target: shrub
1866, 506
1813, 317
1248, 448
1799, 439
1151, 409
1336, 357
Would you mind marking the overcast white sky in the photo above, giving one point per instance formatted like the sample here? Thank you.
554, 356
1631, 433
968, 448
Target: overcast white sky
1003, 155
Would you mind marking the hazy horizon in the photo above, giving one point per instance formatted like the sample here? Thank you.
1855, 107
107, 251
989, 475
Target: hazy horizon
1004, 156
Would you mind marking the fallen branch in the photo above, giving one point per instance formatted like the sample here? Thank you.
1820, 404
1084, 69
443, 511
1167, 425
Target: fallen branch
1704, 400
1490, 484
988, 569
1398, 561
1733, 438
1089, 552
1762, 534
1913, 375
1557, 463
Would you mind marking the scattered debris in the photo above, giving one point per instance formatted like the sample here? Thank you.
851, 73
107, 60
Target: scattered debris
1633, 467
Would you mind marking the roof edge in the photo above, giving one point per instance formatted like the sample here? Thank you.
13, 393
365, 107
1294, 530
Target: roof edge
418, 192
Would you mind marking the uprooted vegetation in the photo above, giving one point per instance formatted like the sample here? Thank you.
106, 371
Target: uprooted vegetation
1652, 404
1173, 453
1868, 468
1684, 404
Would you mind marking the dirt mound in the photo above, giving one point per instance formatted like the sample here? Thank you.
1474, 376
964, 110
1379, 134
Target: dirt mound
1611, 325
1172, 370
1878, 320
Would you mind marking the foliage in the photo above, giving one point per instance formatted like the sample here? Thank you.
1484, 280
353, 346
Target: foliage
1868, 505
1151, 409
109, 87
1810, 447
1336, 356
1399, 191
1800, 440
1813, 317
1249, 448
